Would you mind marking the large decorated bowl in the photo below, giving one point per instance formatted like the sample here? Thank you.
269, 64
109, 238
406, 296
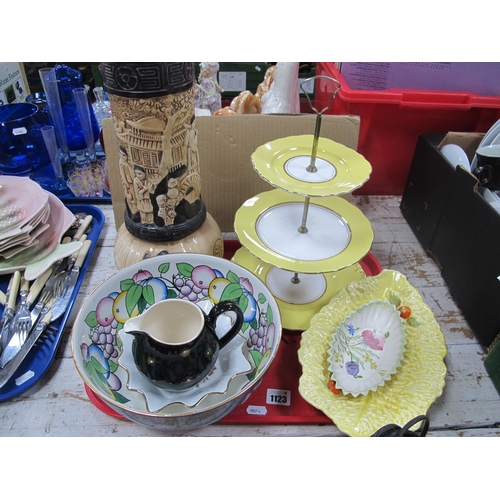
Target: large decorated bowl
102, 350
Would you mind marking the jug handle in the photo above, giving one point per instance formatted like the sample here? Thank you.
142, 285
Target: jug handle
220, 308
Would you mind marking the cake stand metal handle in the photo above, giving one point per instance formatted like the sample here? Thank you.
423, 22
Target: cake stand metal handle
319, 115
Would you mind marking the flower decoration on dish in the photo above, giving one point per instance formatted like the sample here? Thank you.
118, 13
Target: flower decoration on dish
367, 348
418, 381
201, 284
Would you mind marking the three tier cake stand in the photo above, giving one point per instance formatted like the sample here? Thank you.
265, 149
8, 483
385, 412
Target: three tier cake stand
302, 238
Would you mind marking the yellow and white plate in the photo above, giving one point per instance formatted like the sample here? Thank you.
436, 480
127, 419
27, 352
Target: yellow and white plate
419, 380
283, 163
338, 234
298, 302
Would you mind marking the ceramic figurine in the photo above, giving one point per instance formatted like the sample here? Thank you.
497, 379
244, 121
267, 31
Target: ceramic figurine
207, 90
283, 94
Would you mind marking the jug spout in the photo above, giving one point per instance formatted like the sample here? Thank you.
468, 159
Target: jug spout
134, 326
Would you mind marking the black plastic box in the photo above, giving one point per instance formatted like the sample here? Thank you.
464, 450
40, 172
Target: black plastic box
458, 228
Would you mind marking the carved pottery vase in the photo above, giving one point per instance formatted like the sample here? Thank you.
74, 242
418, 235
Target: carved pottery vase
153, 114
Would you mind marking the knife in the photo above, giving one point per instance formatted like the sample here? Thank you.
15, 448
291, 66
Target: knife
8, 312
35, 290
7, 372
62, 302
66, 263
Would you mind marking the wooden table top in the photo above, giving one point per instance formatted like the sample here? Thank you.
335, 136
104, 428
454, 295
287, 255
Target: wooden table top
469, 406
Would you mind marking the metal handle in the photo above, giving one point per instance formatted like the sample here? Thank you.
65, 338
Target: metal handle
332, 97
312, 166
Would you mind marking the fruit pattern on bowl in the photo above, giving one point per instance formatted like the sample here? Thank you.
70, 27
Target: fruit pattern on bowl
102, 345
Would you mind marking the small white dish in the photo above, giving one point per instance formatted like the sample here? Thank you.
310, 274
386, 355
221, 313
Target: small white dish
456, 155
367, 348
491, 137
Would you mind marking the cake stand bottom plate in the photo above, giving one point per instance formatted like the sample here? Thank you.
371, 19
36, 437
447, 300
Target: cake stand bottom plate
299, 300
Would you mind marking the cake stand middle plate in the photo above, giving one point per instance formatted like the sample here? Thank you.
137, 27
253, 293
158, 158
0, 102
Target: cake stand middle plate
337, 233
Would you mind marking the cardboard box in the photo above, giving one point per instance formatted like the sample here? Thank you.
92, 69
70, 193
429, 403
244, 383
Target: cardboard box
225, 145
459, 228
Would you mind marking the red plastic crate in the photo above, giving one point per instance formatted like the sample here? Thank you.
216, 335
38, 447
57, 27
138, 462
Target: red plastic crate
392, 120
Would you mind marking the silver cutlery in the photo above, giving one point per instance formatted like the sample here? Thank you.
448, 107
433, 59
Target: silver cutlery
14, 344
21, 323
63, 265
8, 312
9, 370
62, 300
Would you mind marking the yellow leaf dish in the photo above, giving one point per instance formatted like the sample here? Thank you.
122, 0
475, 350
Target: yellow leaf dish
420, 379
283, 164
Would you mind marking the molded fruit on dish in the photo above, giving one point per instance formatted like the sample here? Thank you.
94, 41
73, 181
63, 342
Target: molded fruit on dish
283, 164
338, 234
419, 380
99, 344
367, 348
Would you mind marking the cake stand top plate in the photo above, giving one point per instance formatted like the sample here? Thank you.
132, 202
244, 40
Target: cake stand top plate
283, 164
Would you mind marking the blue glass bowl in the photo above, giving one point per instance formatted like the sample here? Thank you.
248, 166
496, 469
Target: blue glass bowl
22, 149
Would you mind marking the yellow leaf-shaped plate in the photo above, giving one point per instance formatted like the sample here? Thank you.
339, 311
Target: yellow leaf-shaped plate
419, 380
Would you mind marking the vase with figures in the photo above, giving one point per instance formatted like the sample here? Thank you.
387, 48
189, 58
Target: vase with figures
153, 115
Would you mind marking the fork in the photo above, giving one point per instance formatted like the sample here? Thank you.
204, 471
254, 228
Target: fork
19, 334
21, 323
34, 291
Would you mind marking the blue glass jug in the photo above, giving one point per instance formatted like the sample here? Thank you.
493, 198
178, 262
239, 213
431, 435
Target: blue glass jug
67, 80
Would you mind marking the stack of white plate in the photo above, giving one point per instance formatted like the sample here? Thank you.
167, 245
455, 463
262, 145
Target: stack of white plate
32, 223
491, 138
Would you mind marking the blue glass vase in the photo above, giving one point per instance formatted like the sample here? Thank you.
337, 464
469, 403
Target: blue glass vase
67, 80
22, 149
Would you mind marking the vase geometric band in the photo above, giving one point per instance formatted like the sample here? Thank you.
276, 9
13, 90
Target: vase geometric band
146, 80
